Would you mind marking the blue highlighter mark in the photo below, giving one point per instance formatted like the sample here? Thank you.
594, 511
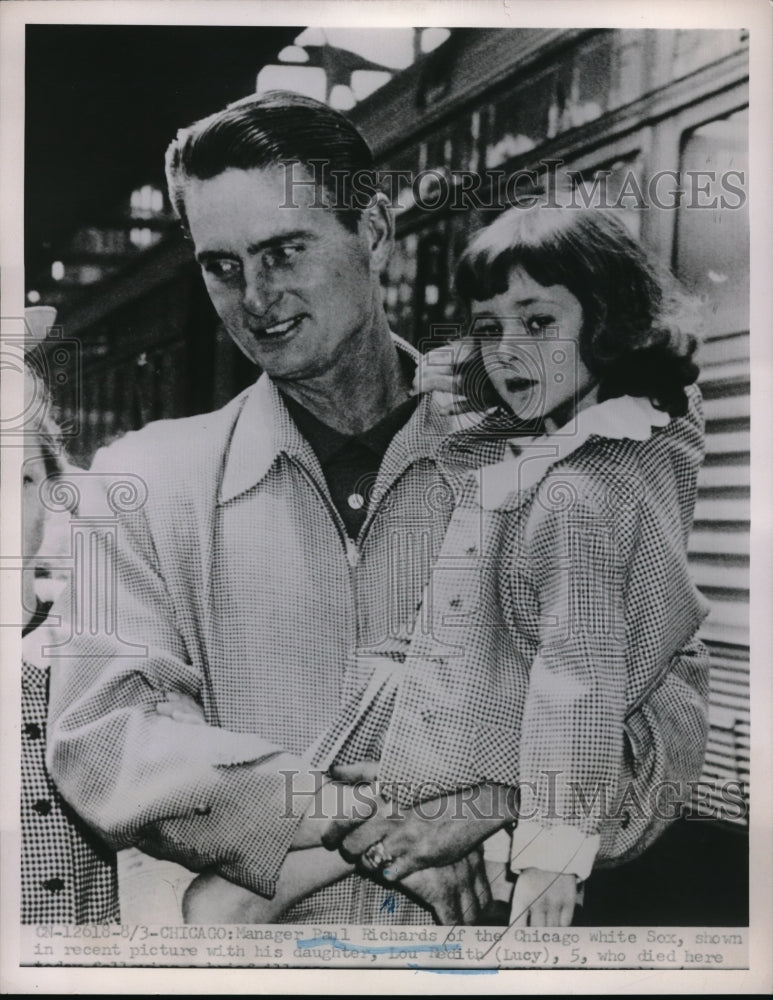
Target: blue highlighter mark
366, 949
454, 972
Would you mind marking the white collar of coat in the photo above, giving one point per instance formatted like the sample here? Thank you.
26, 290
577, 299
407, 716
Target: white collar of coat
625, 417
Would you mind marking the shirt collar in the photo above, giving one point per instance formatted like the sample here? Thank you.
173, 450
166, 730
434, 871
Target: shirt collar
622, 418
327, 442
264, 429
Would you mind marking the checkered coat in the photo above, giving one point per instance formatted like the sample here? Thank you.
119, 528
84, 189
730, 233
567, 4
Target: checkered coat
544, 656
229, 578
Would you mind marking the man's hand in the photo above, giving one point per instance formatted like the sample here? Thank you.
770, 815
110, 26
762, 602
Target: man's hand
398, 842
456, 893
543, 899
438, 372
182, 708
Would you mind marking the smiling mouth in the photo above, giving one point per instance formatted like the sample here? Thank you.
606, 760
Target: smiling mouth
278, 330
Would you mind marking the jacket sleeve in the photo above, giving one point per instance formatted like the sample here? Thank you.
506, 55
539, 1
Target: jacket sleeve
579, 541
195, 794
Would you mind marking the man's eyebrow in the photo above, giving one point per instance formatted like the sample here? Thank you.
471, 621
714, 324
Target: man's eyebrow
254, 248
280, 238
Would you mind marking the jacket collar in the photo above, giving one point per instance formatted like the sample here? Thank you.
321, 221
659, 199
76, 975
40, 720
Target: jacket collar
264, 430
529, 459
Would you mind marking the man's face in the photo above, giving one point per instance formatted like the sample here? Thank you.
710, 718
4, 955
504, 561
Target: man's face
291, 284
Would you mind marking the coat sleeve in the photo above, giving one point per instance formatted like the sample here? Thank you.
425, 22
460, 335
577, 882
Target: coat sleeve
580, 539
199, 795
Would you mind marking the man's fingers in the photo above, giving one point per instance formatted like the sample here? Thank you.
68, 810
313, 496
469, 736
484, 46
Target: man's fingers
480, 880
447, 907
437, 370
179, 712
353, 774
359, 840
469, 901
337, 830
190, 717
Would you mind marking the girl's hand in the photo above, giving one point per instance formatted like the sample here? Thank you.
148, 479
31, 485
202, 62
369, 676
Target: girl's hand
543, 899
181, 708
437, 371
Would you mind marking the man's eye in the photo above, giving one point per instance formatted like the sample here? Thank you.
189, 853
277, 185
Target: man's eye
28, 480
281, 256
536, 324
223, 269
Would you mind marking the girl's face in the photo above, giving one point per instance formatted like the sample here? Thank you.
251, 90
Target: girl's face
530, 346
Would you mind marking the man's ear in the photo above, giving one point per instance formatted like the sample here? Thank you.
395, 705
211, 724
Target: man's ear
379, 230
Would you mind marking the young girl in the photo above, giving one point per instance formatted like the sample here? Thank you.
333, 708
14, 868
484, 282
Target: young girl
555, 651
68, 875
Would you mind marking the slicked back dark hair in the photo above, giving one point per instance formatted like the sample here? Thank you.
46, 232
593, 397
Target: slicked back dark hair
279, 127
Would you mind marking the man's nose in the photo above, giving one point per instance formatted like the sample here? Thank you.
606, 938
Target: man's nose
259, 293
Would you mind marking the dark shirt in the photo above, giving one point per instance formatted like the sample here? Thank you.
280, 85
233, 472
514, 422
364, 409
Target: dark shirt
350, 463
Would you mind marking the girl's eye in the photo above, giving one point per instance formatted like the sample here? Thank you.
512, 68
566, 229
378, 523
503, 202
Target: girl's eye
223, 269
487, 327
536, 324
281, 256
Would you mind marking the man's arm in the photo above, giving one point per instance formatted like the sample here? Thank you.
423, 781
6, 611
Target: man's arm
198, 795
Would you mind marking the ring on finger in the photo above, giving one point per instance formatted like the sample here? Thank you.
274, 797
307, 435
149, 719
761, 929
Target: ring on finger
376, 856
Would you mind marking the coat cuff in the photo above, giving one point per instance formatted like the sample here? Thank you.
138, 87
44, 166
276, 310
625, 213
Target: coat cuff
553, 849
242, 823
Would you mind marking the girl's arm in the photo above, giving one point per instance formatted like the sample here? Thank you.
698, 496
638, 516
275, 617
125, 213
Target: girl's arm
574, 556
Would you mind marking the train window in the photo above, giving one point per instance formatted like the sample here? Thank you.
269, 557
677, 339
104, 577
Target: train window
616, 185
693, 49
591, 74
519, 121
626, 72
712, 227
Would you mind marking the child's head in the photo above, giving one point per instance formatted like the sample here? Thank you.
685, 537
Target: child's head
41, 459
563, 301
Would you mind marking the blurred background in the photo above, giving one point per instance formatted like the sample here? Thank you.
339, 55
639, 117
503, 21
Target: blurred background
136, 338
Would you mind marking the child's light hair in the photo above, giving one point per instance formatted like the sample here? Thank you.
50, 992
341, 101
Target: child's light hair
39, 419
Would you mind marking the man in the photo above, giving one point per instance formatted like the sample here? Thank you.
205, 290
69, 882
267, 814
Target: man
284, 540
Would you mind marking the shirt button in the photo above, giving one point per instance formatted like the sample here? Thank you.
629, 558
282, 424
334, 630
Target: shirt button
32, 729
626, 820
473, 550
356, 501
455, 602
54, 884
42, 806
